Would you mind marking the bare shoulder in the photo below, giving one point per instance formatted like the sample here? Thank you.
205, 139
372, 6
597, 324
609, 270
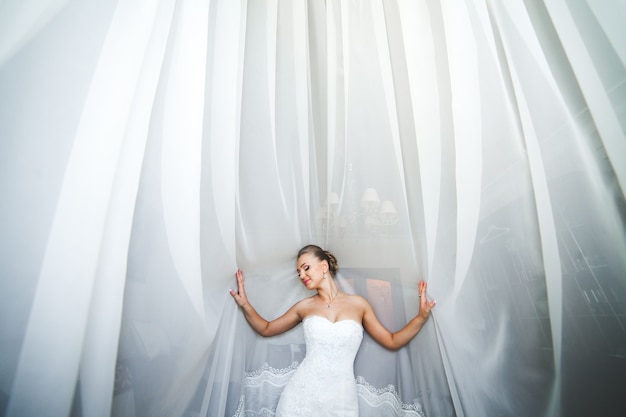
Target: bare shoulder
361, 304
356, 301
300, 307
306, 301
353, 307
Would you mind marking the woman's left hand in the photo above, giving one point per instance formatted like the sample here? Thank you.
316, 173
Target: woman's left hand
425, 304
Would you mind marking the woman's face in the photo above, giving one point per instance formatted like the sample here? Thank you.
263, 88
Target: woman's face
311, 270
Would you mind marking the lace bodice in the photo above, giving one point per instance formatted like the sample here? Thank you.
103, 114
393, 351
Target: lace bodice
323, 384
331, 347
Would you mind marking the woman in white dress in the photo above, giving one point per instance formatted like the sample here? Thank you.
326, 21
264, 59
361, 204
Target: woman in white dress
324, 384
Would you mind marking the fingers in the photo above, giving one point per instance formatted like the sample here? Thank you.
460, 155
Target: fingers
240, 295
240, 280
232, 292
425, 304
421, 287
239, 300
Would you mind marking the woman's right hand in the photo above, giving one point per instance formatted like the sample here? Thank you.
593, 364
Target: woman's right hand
240, 295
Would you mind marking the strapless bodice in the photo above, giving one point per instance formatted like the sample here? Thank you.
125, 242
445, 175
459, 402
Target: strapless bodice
332, 346
324, 384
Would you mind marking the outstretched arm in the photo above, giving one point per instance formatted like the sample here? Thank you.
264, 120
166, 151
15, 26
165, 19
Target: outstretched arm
395, 341
263, 327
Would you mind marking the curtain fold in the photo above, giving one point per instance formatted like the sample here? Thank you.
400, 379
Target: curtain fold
151, 148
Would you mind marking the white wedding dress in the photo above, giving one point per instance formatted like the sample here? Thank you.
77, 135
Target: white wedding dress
324, 384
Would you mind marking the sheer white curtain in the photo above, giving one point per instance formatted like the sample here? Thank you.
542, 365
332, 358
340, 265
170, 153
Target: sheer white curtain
150, 148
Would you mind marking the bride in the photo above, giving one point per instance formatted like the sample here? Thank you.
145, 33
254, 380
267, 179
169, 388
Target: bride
333, 321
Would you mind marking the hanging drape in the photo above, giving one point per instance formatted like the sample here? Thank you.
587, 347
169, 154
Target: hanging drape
151, 148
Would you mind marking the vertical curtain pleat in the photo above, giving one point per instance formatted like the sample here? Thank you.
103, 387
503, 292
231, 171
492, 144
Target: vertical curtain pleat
422, 82
595, 90
224, 120
183, 123
105, 315
60, 310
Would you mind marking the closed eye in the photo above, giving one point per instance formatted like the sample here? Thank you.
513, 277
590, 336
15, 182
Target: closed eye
304, 268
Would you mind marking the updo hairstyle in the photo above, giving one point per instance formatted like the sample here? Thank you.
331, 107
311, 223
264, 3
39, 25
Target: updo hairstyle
322, 255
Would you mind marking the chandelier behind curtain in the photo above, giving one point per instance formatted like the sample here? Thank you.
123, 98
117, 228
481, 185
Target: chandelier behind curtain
151, 148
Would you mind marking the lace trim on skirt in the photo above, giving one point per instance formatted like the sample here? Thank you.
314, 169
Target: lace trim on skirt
384, 401
262, 388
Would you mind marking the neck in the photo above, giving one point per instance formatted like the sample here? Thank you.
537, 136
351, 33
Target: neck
328, 293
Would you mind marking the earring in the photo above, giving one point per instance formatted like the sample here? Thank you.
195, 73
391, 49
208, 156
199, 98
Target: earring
324, 275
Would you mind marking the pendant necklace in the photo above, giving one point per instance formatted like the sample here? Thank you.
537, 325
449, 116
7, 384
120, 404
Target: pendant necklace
332, 299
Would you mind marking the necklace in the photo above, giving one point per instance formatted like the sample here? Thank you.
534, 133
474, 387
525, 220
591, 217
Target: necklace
332, 299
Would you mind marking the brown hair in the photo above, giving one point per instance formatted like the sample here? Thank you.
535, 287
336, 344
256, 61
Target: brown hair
322, 255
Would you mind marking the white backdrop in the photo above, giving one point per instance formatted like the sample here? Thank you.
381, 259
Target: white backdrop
150, 148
